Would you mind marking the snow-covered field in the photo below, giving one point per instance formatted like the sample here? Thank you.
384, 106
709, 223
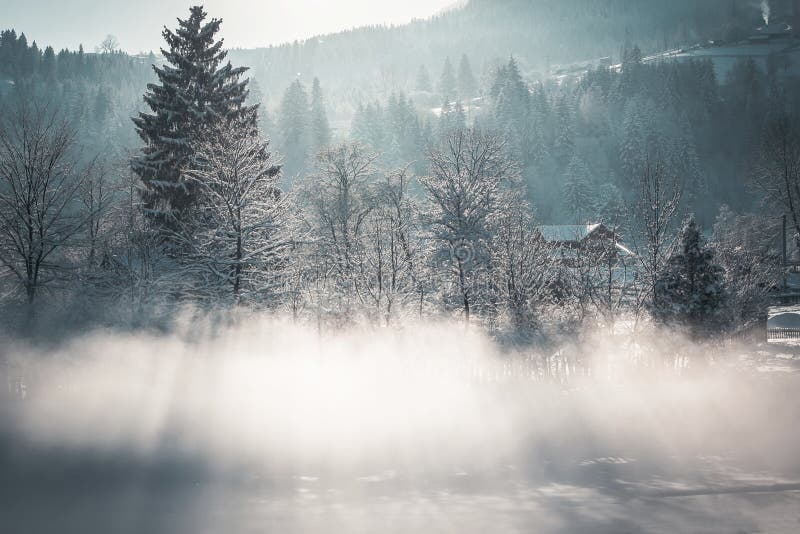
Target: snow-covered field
270, 428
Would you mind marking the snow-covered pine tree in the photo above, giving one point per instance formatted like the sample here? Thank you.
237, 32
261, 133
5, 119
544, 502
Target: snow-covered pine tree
407, 128
690, 291
631, 78
293, 123
512, 112
632, 142
539, 101
467, 85
49, 64
423, 83
564, 143
686, 162
579, 199
452, 119
448, 86
320, 128
194, 97
610, 206
395, 127
376, 125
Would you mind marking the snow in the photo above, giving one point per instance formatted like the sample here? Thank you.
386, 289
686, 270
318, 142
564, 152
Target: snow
567, 232
725, 57
473, 105
624, 250
777, 310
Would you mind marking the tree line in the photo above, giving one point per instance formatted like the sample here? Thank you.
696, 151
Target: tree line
416, 222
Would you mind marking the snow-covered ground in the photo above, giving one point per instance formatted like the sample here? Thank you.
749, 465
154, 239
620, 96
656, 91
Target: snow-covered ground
724, 58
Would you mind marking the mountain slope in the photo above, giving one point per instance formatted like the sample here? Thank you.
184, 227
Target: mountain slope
377, 60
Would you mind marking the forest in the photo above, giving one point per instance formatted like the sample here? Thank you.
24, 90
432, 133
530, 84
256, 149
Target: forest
426, 202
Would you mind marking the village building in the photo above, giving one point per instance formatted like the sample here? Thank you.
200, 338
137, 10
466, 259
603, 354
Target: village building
772, 33
595, 240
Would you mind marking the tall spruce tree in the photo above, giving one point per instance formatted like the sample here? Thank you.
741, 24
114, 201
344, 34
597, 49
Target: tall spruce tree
49, 64
690, 291
320, 128
579, 198
512, 106
424, 80
448, 86
194, 98
452, 119
467, 86
293, 122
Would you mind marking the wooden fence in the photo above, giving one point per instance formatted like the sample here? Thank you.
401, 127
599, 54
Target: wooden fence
783, 333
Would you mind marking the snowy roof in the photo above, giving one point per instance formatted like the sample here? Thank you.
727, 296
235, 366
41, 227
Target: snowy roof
565, 233
625, 251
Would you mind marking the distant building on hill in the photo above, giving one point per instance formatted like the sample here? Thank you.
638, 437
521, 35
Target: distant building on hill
590, 257
581, 236
772, 33
595, 242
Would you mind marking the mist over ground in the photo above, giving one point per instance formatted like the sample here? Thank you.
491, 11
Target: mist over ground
428, 423
522, 266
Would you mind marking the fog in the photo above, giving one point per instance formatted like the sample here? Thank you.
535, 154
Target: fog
313, 422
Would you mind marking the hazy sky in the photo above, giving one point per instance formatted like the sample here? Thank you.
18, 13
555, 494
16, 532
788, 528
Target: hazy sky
247, 23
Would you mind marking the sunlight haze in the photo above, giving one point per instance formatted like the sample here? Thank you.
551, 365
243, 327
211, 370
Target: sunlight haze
247, 23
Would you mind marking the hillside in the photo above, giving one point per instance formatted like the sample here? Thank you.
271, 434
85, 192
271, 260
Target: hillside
374, 61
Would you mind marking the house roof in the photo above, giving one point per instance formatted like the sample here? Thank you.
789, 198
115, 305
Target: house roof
566, 233
623, 250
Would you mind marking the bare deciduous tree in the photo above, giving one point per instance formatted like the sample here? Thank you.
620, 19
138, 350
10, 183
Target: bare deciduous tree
392, 267
96, 196
659, 199
468, 173
233, 245
40, 186
522, 268
777, 172
744, 247
109, 45
605, 284
337, 200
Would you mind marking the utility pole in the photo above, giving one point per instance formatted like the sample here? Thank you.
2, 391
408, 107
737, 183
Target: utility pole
783, 253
